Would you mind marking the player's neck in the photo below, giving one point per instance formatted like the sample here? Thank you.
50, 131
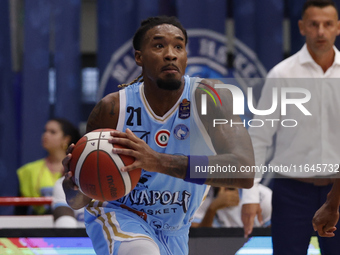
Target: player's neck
160, 100
324, 60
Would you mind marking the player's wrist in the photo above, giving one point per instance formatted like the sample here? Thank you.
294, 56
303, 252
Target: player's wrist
191, 175
332, 203
173, 165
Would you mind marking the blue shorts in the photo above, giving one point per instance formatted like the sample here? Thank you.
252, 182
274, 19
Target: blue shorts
109, 226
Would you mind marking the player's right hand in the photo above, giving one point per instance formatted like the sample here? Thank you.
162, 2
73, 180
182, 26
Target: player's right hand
248, 214
68, 183
67, 159
74, 197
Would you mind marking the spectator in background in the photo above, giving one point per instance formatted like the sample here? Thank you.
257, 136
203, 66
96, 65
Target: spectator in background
64, 216
37, 178
222, 208
312, 143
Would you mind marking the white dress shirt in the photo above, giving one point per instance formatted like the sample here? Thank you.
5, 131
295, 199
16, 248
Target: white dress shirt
314, 142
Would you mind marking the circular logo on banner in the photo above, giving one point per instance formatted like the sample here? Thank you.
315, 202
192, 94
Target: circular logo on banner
181, 131
162, 138
207, 58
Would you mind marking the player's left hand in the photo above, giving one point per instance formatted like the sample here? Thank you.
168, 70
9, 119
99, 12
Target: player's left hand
145, 157
324, 220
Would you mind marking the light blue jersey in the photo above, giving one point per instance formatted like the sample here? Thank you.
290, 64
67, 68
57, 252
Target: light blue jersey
166, 203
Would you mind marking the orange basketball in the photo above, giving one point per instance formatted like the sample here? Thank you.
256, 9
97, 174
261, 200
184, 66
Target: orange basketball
96, 169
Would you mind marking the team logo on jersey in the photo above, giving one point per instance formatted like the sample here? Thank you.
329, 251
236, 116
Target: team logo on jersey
181, 131
162, 138
184, 109
157, 224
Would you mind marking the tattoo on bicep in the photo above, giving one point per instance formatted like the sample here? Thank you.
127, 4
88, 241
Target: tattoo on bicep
112, 113
92, 122
96, 110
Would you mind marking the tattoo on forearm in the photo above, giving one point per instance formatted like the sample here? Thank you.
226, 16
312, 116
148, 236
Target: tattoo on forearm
177, 167
230, 182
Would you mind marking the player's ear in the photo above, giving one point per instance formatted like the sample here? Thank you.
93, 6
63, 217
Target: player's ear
301, 28
138, 57
338, 33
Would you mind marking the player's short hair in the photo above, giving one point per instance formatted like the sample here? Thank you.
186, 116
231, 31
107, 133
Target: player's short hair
318, 3
151, 22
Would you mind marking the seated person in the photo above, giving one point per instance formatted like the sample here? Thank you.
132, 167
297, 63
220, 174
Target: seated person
222, 208
37, 178
64, 216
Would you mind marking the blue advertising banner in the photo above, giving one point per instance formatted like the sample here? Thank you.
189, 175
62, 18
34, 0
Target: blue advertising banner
253, 28
211, 45
67, 59
269, 39
117, 23
9, 138
35, 94
204, 14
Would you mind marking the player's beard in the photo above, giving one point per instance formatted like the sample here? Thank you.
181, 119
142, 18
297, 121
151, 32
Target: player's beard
169, 84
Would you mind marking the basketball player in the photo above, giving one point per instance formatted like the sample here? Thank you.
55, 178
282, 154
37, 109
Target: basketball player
309, 145
155, 217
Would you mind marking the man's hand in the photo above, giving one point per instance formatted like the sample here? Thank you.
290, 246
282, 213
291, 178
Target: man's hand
145, 157
74, 197
248, 214
68, 183
225, 198
325, 219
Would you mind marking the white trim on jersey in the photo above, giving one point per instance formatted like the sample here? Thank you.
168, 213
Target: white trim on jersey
110, 225
151, 113
206, 192
122, 108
